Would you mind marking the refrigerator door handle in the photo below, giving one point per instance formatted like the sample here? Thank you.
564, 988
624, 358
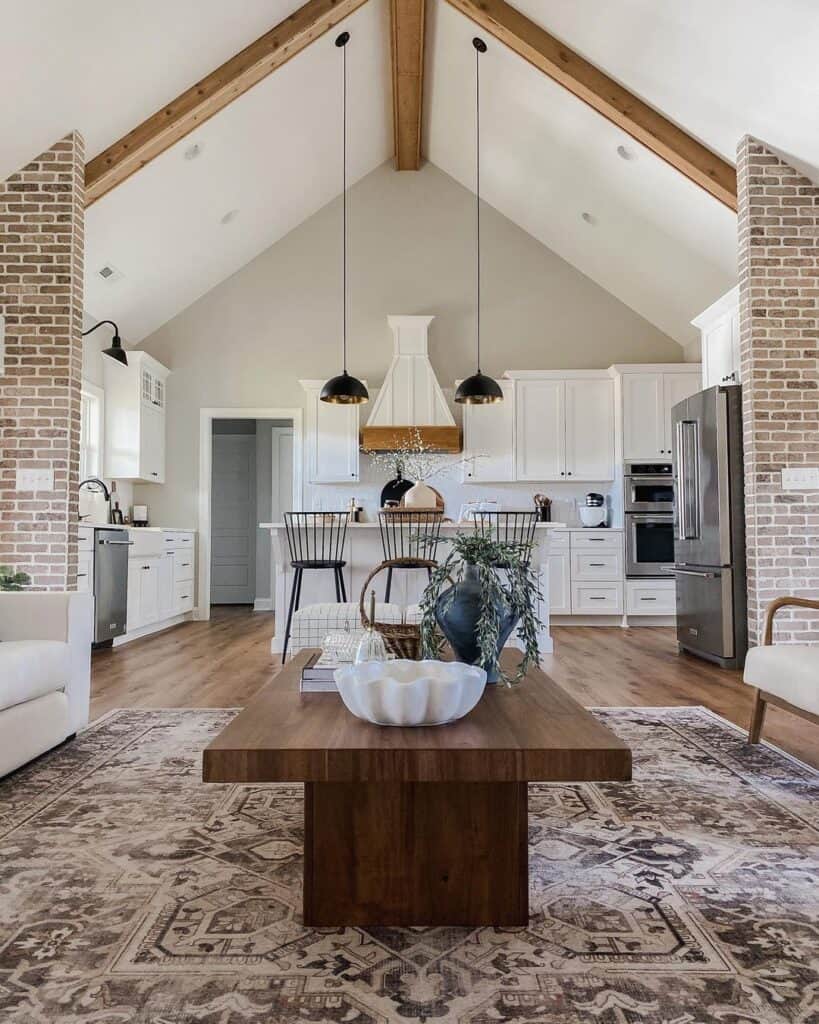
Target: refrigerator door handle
688, 483
690, 572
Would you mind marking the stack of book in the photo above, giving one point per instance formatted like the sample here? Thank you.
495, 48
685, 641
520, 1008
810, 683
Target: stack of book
317, 674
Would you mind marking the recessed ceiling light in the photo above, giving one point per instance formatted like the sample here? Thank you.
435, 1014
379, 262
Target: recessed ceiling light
231, 215
624, 154
589, 218
192, 152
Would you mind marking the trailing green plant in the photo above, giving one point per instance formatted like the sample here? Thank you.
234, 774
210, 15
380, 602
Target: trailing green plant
516, 585
11, 579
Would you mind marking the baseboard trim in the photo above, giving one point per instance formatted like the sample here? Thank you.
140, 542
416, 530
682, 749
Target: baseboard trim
154, 627
263, 604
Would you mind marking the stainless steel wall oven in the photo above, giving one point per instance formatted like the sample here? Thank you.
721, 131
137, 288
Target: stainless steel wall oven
648, 491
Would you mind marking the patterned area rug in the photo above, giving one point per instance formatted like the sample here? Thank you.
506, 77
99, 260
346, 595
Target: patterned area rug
130, 891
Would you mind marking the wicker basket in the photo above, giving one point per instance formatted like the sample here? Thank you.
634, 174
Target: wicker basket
402, 639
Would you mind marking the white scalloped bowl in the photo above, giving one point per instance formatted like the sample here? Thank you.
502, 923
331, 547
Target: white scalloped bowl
410, 693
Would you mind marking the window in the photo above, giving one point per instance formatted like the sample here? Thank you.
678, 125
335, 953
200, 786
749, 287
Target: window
91, 408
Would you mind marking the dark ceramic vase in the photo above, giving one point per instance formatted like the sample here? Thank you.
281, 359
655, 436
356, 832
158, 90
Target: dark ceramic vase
458, 610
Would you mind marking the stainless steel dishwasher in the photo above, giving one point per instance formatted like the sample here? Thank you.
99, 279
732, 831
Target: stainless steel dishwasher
110, 584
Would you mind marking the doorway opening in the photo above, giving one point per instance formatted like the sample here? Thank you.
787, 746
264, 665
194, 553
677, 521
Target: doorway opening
250, 473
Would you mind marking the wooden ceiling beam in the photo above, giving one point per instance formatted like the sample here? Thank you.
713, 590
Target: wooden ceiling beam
642, 122
196, 105
407, 39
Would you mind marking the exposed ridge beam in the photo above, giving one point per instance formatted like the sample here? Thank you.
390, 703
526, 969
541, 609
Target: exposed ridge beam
407, 39
214, 92
642, 122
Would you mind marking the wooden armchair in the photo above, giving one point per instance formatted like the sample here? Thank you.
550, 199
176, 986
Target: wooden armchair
786, 675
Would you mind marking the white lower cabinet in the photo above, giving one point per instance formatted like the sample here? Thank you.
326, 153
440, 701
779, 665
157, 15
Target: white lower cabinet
560, 579
586, 572
160, 579
143, 591
651, 597
597, 598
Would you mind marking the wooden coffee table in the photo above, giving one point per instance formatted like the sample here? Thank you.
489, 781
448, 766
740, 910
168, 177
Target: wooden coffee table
416, 826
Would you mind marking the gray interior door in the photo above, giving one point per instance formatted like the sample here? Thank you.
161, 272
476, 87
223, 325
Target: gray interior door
233, 519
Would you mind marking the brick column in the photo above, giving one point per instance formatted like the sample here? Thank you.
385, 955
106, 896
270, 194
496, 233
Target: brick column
41, 297
778, 232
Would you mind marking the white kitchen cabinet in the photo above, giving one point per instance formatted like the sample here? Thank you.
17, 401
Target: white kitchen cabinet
332, 432
165, 585
135, 418
676, 388
590, 429
564, 428
161, 576
489, 439
597, 598
540, 429
143, 592
648, 398
651, 597
560, 588
719, 337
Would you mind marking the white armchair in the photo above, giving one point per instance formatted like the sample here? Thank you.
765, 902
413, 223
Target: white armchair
785, 675
45, 671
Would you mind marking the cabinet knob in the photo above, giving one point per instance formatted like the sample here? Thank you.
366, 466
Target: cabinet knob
569, 473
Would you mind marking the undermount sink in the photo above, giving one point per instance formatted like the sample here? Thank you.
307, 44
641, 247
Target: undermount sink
410, 693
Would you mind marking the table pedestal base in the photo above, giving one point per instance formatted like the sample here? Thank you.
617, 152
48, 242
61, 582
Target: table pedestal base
415, 853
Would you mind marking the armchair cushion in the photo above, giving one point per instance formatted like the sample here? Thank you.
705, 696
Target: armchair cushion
32, 668
788, 671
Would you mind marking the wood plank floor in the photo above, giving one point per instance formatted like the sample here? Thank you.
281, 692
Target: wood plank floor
223, 662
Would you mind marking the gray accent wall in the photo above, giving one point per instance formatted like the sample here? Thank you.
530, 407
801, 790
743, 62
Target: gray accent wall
411, 250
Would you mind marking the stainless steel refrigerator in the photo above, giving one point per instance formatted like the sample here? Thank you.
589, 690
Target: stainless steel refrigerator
709, 526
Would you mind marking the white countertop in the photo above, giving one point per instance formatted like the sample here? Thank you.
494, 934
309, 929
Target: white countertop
446, 525
142, 529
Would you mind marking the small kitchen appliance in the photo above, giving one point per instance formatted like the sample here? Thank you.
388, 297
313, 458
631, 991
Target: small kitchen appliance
140, 515
593, 511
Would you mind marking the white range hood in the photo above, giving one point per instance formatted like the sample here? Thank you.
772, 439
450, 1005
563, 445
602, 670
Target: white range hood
411, 396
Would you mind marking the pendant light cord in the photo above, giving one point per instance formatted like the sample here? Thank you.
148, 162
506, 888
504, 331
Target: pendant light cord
344, 200
478, 191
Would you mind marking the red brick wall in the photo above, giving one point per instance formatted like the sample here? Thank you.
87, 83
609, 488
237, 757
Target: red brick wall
41, 293
778, 225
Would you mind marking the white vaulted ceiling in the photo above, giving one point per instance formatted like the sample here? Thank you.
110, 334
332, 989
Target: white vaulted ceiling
655, 241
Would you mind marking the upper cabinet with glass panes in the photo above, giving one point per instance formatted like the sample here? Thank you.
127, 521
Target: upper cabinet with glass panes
135, 400
153, 386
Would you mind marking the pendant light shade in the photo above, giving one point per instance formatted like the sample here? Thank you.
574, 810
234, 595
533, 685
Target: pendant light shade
116, 351
479, 389
344, 389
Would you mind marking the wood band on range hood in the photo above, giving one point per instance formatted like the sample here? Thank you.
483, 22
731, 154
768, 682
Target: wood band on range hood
389, 439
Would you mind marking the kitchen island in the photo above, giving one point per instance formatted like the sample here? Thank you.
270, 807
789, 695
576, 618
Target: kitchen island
362, 552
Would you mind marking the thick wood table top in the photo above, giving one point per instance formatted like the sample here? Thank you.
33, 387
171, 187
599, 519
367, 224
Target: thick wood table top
532, 732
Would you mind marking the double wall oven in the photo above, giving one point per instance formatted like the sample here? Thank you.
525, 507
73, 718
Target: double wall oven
648, 489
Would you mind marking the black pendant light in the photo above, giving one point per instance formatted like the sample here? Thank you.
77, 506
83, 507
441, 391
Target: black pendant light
478, 389
344, 389
116, 351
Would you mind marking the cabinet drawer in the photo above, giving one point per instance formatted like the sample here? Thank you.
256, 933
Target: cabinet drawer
85, 539
184, 596
182, 565
596, 540
597, 565
651, 598
175, 539
597, 598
